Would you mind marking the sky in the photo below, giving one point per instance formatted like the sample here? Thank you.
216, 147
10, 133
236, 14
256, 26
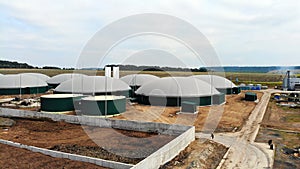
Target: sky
54, 32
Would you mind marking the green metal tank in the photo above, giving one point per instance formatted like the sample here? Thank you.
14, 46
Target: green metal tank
103, 105
59, 102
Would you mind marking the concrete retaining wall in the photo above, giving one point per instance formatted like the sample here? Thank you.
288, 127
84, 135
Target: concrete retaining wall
168, 151
58, 154
100, 122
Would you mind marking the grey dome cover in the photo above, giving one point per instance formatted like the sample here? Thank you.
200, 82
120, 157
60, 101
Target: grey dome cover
177, 87
38, 75
63, 77
20, 81
92, 84
218, 82
138, 79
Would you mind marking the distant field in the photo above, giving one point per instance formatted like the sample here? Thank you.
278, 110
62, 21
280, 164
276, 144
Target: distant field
49, 72
269, 79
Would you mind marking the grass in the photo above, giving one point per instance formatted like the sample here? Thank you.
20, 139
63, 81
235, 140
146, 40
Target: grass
293, 118
289, 139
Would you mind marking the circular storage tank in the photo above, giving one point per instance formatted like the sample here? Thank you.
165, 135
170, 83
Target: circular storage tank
41, 76
222, 84
21, 84
172, 91
59, 102
137, 80
54, 81
94, 85
103, 105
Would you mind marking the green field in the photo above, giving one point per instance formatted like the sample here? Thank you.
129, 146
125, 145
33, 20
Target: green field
268, 79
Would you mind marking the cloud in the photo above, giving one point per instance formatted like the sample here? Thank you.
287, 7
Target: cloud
43, 32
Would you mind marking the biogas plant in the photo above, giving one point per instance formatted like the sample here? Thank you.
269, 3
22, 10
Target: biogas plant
135, 121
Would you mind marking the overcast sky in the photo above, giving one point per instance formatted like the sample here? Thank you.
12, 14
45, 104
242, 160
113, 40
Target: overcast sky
54, 32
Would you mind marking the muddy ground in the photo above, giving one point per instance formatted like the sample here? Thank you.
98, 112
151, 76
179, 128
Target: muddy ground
117, 145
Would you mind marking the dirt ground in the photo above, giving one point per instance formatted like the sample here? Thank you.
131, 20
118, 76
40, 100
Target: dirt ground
235, 112
23, 96
281, 117
203, 153
282, 126
117, 145
26, 96
12, 157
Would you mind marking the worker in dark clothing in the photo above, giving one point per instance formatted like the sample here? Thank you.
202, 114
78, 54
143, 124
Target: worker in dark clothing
270, 142
212, 136
271, 146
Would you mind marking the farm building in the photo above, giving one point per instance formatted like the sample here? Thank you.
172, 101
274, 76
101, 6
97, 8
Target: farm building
94, 85
137, 80
103, 105
222, 84
21, 84
59, 102
171, 91
54, 81
250, 96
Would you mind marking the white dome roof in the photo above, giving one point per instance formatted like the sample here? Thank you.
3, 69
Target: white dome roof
38, 75
20, 81
177, 87
218, 82
138, 79
63, 77
92, 84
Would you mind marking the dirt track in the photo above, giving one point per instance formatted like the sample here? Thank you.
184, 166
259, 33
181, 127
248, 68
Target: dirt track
243, 152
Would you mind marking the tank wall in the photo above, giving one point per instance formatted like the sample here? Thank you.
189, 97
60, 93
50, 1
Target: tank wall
117, 93
175, 101
28, 90
97, 108
57, 104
